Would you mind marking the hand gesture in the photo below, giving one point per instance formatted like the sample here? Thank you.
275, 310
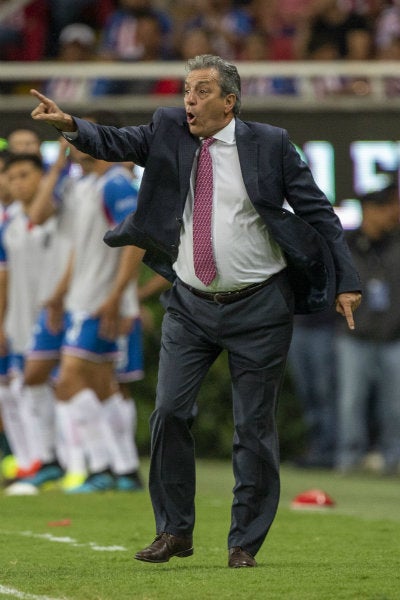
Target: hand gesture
109, 316
55, 314
346, 304
50, 113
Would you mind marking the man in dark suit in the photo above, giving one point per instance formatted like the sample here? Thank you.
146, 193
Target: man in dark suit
210, 217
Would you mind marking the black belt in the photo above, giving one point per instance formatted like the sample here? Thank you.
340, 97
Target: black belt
229, 297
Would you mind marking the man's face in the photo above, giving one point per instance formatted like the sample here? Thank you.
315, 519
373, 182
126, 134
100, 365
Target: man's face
23, 180
23, 141
207, 110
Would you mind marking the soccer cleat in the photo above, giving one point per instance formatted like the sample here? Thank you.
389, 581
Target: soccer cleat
47, 474
44, 478
128, 483
72, 480
97, 482
30, 471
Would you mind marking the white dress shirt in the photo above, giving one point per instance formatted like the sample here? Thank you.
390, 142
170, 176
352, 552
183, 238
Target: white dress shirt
244, 252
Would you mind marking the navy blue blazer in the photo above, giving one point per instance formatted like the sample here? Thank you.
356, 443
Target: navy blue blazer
319, 261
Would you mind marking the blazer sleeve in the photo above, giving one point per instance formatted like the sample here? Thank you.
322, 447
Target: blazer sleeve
311, 205
116, 145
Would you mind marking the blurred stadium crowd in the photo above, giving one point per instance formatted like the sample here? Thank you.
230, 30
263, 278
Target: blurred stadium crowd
140, 30
166, 30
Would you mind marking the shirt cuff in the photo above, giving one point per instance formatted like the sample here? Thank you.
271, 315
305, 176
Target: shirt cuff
70, 135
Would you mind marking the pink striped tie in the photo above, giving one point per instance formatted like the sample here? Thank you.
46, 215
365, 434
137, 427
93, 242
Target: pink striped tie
203, 258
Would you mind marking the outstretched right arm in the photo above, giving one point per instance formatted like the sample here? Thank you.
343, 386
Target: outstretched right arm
100, 141
50, 113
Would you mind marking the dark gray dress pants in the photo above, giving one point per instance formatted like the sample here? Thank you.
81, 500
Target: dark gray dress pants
256, 332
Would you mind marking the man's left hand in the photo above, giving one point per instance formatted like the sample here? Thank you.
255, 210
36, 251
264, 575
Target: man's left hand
346, 304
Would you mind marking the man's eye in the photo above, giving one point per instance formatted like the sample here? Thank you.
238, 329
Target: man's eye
202, 92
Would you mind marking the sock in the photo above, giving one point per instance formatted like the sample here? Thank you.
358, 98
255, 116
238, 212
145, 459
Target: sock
40, 402
17, 426
69, 447
88, 413
120, 415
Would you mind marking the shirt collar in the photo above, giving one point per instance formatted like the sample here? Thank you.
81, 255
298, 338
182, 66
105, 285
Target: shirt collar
227, 134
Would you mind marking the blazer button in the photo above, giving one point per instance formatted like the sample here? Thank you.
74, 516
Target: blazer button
179, 220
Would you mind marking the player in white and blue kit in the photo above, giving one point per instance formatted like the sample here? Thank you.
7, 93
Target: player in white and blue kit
98, 299
23, 249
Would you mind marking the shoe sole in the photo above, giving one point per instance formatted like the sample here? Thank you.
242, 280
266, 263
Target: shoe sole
182, 554
20, 488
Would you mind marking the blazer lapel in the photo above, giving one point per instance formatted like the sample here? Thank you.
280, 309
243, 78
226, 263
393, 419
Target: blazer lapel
187, 150
248, 157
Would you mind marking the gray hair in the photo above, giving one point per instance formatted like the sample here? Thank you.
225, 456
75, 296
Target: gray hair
229, 78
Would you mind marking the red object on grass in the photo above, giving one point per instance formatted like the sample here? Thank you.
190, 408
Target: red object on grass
312, 499
61, 523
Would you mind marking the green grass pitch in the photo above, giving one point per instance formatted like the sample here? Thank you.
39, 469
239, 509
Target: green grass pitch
59, 547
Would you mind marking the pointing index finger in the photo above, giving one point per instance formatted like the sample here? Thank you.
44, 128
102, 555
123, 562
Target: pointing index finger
348, 313
40, 96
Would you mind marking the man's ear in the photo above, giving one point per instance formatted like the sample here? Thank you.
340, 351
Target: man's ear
230, 100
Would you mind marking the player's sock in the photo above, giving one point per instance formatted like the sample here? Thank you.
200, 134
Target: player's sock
17, 427
88, 412
40, 401
70, 451
120, 415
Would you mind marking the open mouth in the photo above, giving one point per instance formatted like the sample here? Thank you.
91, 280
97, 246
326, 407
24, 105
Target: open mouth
190, 118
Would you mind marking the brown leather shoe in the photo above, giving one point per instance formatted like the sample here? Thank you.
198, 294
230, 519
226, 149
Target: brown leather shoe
240, 558
164, 547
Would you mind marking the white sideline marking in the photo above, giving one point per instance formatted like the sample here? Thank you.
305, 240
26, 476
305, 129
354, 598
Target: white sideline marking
7, 591
65, 540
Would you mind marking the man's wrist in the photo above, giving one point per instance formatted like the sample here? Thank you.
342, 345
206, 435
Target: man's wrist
70, 136
68, 129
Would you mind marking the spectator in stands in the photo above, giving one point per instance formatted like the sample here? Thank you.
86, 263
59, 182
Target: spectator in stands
192, 42
322, 48
65, 12
256, 47
149, 37
195, 42
77, 43
348, 31
227, 24
10, 30
120, 34
23, 30
281, 21
387, 26
391, 51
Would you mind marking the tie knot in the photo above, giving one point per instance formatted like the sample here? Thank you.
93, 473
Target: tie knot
207, 142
